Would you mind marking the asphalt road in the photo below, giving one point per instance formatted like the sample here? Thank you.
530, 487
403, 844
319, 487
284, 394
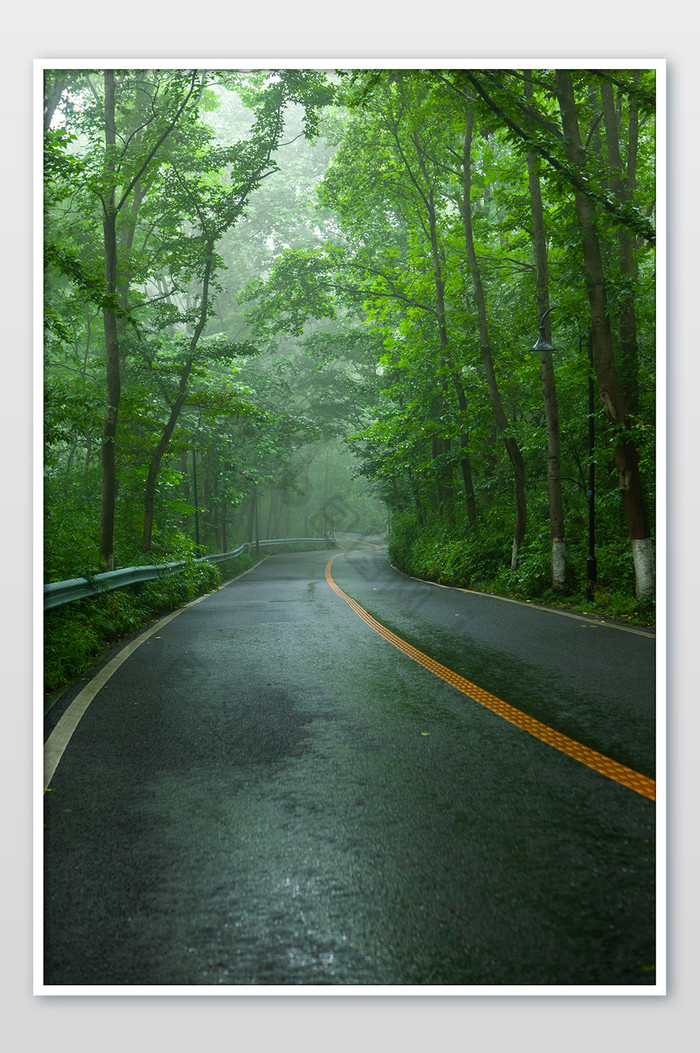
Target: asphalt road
267, 792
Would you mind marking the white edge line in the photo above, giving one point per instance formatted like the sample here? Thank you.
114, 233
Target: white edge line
521, 603
56, 745
59, 738
61, 735
531, 606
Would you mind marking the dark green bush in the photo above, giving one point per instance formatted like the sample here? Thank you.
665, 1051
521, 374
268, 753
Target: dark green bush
76, 635
479, 558
403, 534
71, 644
230, 568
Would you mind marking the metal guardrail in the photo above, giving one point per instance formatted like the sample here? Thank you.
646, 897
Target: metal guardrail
59, 593
291, 541
221, 557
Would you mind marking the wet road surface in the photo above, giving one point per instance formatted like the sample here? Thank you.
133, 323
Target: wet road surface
268, 793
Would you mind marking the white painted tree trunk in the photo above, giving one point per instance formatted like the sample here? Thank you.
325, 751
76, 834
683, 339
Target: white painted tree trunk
644, 568
558, 563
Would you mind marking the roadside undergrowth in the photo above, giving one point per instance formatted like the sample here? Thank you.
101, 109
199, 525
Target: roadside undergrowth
480, 561
77, 635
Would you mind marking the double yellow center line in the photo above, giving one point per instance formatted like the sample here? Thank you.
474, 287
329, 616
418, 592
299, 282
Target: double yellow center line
591, 758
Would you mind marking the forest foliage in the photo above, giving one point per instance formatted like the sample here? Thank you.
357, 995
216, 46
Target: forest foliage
295, 301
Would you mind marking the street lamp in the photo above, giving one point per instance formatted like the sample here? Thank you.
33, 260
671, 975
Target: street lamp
542, 347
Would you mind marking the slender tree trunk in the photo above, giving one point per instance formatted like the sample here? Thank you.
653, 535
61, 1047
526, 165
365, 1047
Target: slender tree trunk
111, 323
127, 229
622, 184
184, 487
465, 463
156, 459
549, 391
224, 526
109, 421
88, 458
271, 511
308, 490
443, 490
52, 95
448, 482
502, 424
251, 518
207, 523
613, 400
175, 408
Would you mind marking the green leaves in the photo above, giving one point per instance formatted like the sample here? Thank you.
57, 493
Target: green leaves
261, 316
536, 128
299, 288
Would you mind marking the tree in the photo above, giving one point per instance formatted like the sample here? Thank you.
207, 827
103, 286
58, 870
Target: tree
610, 390
121, 176
549, 391
161, 182
532, 123
499, 413
276, 310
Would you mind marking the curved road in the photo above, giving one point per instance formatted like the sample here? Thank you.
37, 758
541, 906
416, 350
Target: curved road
268, 792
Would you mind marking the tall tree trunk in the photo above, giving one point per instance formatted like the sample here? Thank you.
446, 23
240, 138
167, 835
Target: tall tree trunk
110, 212
88, 458
111, 411
175, 408
149, 493
510, 443
184, 487
224, 526
250, 530
307, 495
612, 398
207, 524
53, 90
271, 511
549, 391
448, 482
125, 234
465, 462
443, 479
622, 183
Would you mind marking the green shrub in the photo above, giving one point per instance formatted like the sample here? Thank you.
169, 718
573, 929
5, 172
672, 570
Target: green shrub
71, 644
479, 558
230, 568
404, 532
76, 635
451, 555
